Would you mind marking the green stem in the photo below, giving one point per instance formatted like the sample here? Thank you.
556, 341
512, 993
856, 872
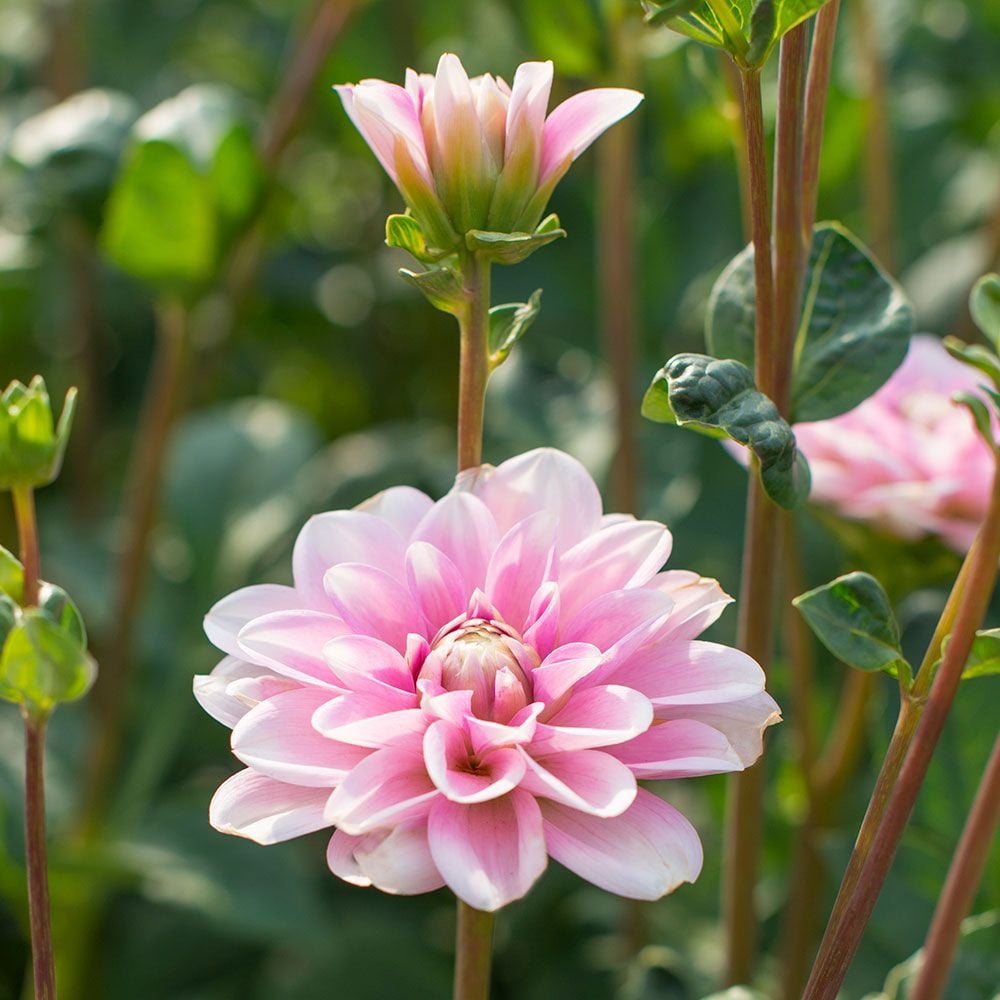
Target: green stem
960, 887
473, 953
42, 955
909, 754
473, 364
27, 536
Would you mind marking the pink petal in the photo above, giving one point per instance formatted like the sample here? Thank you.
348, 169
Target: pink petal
490, 853
614, 558
540, 480
436, 584
645, 853
681, 748
588, 780
360, 662
397, 861
522, 561
578, 121
212, 690
562, 669
437, 703
343, 536
228, 616
623, 619
542, 624
460, 526
698, 602
446, 755
389, 787
261, 809
373, 603
529, 100
277, 739
401, 507
594, 717
367, 719
486, 735
292, 643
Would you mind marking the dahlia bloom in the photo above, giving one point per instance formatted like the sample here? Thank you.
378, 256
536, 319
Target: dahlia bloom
908, 459
478, 154
468, 687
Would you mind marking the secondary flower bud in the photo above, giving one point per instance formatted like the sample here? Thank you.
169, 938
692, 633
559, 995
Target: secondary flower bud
31, 448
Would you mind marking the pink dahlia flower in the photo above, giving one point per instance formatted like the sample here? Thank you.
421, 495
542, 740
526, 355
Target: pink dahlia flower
478, 154
908, 459
468, 687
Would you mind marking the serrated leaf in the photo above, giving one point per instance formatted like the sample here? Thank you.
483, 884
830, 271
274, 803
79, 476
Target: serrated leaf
508, 324
976, 356
721, 398
853, 618
984, 657
441, 286
984, 305
854, 330
43, 665
511, 248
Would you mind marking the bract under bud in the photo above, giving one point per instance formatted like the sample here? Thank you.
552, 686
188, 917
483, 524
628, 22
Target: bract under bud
31, 446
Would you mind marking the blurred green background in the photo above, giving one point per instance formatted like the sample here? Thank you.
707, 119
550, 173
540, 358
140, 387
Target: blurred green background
314, 377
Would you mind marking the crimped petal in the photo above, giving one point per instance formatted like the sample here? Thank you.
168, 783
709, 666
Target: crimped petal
264, 810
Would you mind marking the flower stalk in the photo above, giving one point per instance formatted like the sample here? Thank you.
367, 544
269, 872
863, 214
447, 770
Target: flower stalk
473, 954
27, 536
473, 362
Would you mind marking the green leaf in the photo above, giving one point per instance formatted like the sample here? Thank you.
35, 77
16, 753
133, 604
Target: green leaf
975, 355
11, 575
721, 399
508, 324
10, 613
441, 286
853, 333
42, 664
161, 224
980, 414
984, 657
236, 176
984, 305
60, 609
405, 232
512, 248
853, 618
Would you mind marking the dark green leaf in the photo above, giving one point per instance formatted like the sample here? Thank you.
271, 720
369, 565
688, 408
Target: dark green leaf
853, 618
984, 305
720, 398
161, 222
43, 665
854, 330
441, 286
508, 324
984, 657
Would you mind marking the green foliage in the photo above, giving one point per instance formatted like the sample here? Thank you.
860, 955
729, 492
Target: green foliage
976, 356
405, 232
984, 657
853, 331
984, 305
442, 286
853, 618
720, 398
509, 323
31, 445
512, 248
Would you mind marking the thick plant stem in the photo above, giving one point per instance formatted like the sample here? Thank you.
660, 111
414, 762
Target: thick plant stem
854, 907
473, 363
27, 537
817, 88
473, 953
960, 887
42, 955
145, 475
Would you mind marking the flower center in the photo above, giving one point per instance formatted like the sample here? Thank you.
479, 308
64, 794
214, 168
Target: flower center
488, 659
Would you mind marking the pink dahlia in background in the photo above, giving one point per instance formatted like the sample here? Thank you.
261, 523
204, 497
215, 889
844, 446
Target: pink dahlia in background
908, 459
468, 687
478, 154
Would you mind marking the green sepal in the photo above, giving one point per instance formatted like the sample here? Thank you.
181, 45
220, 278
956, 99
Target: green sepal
31, 447
853, 617
512, 248
984, 307
43, 664
442, 286
980, 414
405, 232
508, 324
720, 398
984, 657
976, 356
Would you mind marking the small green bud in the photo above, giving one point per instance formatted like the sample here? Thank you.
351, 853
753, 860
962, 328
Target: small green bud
31, 446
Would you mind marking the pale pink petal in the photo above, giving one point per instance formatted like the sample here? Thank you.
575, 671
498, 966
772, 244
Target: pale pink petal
437, 703
212, 690
360, 661
542, 624
250, 691
266, 811
228, 616
614, 558
594, 717
343, 536
277, 739
491, 853
397, 861
367, 719
460, 526
529, 100
698, 602
401, 507
436, 584
578, 121
562, 669
373, 603
387, 788
292, 642
621, 619
588, 780
487, 735
540, 480
681, 748
522, 561
645, 853
446, 755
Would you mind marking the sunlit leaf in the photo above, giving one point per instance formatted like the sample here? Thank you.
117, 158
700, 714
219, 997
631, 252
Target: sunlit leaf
508, 323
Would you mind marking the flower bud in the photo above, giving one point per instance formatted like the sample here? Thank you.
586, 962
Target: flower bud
31, 448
